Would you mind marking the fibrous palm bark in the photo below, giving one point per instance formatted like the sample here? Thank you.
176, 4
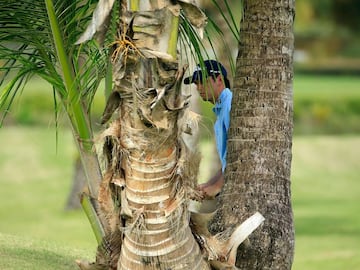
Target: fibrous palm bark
149, 169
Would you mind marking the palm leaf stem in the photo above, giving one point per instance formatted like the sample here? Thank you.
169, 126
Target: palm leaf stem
74, 108
80, 124
87, 204
76, 111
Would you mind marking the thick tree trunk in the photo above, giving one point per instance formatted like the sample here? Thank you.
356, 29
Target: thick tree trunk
257, 177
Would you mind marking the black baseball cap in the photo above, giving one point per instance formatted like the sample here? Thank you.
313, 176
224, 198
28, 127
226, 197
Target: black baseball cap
210, 68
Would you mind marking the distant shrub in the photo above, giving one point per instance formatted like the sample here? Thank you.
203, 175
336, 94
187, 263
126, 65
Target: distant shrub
327, 105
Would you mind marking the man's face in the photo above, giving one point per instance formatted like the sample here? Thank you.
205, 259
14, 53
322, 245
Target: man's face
206, 89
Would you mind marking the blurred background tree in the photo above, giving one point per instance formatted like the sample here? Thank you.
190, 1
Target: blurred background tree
326, 36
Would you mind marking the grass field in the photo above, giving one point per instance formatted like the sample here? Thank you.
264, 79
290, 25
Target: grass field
340, 87
37, 233
326, 202
35, 230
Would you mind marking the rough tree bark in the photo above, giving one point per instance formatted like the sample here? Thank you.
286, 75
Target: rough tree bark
260, 136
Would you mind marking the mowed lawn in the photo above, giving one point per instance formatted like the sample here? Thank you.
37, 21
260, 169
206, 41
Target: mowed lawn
35, 179
326, 202
37, 233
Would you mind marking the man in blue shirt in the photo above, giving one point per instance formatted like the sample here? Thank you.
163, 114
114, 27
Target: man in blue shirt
213, 86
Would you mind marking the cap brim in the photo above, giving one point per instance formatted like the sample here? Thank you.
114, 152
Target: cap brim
197, 76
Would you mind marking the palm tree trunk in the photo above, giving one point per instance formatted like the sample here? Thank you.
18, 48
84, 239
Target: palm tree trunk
149, 170
257, 177
157, 232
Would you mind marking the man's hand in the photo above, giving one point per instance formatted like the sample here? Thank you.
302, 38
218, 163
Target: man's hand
213, 187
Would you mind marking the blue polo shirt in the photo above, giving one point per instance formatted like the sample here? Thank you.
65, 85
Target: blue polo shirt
222, 111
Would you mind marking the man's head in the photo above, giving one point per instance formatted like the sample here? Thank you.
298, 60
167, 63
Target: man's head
210, 79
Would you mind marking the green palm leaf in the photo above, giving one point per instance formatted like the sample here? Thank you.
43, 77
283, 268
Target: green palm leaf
37, 38
28, 45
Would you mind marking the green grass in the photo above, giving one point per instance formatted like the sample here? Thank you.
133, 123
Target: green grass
30, 253
37, 233
35, 180
338, 87
326, 202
